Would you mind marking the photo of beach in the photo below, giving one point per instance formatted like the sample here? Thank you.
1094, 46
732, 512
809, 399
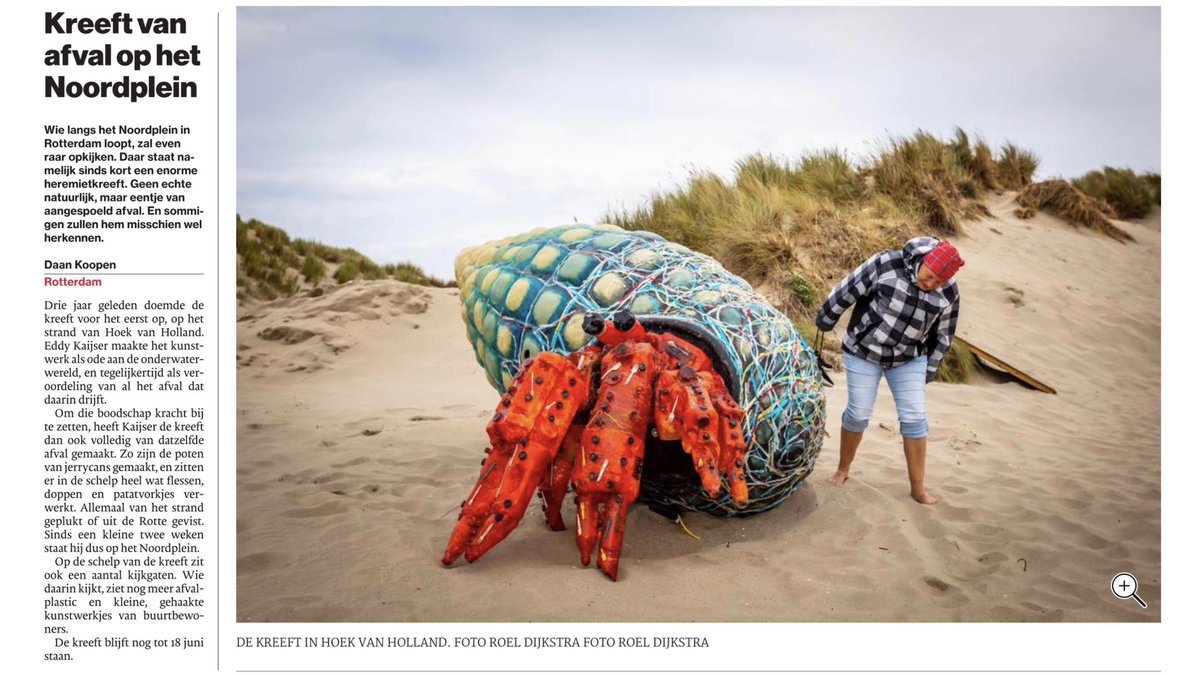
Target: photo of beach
784, 145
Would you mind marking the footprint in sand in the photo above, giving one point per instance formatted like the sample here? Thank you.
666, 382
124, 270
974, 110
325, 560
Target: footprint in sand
286, 334
354, 462
1015, 296
937, 584
960, 444
257, 562
993, 558
954, 514
945, 593
989, 563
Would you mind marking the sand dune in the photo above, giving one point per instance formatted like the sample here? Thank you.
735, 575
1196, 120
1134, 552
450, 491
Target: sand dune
361, 423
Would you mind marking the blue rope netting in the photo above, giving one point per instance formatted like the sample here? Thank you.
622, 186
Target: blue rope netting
528, 294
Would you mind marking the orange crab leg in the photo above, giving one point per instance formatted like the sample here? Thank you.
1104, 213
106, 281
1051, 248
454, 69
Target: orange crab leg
696, 409
558, 478
687, 413
608, 472
733, 445
526, 433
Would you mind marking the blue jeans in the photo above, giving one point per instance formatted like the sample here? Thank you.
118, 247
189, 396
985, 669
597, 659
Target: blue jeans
907, 383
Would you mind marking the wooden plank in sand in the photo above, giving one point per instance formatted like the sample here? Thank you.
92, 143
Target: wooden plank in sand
1011, 370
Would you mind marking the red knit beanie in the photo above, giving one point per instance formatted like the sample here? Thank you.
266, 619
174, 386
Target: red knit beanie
943, 261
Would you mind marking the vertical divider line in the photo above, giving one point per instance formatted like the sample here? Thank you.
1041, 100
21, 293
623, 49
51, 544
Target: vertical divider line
218, 276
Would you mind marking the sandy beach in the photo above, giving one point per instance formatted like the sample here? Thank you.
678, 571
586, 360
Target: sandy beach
361, 424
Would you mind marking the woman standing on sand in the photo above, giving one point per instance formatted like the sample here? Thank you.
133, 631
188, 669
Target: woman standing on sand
905, 311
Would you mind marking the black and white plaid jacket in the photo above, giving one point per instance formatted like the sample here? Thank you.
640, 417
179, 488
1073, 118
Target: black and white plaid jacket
894, 321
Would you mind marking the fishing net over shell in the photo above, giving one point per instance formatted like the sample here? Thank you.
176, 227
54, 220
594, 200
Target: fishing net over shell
527, 294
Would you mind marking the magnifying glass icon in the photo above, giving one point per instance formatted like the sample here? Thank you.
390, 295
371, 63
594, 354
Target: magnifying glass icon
1124, 586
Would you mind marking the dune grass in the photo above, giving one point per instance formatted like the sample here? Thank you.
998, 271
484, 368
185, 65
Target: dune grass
313, 269
1154, 182
266, 261
1015, 167
794, 228
959, 364
271, 264
976, 159
1129, 195
938, 181
1062, 199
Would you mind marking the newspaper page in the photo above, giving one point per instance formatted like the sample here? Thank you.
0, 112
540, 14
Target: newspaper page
552, 339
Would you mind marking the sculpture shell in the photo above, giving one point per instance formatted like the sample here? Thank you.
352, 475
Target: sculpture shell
529, 293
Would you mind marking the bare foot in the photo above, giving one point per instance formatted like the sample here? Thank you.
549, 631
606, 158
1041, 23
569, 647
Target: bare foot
838, 478
924, 497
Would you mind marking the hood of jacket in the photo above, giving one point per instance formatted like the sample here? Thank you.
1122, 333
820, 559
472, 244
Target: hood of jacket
914, 252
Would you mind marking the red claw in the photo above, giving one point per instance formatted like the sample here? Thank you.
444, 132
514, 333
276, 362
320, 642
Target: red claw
537, 445
608, 475
529, 428
558, 478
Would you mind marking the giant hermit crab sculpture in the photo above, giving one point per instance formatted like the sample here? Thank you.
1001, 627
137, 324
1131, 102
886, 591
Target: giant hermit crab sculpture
629, 367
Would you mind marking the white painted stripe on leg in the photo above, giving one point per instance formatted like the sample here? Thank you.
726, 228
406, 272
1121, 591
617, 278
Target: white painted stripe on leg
485, 532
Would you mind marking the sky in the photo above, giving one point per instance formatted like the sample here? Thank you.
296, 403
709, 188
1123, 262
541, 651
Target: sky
411, 133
